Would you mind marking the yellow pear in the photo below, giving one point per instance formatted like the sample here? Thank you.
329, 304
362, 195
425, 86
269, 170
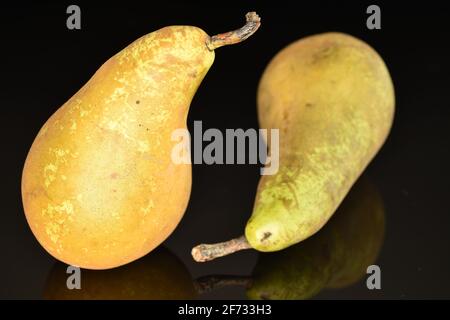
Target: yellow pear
99, 186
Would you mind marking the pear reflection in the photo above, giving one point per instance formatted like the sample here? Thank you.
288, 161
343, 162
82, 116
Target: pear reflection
336, 257
159, 275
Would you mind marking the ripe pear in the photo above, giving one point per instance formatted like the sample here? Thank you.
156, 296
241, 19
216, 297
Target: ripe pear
158, 276
99, 186
335, 257
332, 99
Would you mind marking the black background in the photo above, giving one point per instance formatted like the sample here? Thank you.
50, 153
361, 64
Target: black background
43, 64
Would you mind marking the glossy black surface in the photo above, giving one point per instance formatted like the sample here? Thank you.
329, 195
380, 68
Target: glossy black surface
43, 64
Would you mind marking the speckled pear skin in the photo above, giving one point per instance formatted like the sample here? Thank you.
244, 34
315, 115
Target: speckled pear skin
158, 276
99, 186
336, 257
332, 98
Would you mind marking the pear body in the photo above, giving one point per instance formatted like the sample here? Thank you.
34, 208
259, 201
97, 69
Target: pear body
332, 99
99, 187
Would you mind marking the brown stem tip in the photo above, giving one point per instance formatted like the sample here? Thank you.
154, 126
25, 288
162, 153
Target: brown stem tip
236, 36
207, 252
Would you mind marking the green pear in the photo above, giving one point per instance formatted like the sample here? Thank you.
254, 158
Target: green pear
332, 99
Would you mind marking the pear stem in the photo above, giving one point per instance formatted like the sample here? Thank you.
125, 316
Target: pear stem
207, 252
253, 21
212, 282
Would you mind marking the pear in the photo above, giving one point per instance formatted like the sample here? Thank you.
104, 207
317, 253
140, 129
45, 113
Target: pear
332, 99
336, 257
99, 186
157, 276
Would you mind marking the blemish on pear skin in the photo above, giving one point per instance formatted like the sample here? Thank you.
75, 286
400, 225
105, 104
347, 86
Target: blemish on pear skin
143, 146
148, 208
163, 43
171, 59
52, 230
266, 235
114, 175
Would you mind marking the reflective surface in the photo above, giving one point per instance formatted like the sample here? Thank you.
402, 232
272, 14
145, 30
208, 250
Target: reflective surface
159, 275
336, 257
46, 64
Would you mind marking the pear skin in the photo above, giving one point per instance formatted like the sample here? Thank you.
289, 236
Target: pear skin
158, 276
99, 186
332, 98
336, 257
